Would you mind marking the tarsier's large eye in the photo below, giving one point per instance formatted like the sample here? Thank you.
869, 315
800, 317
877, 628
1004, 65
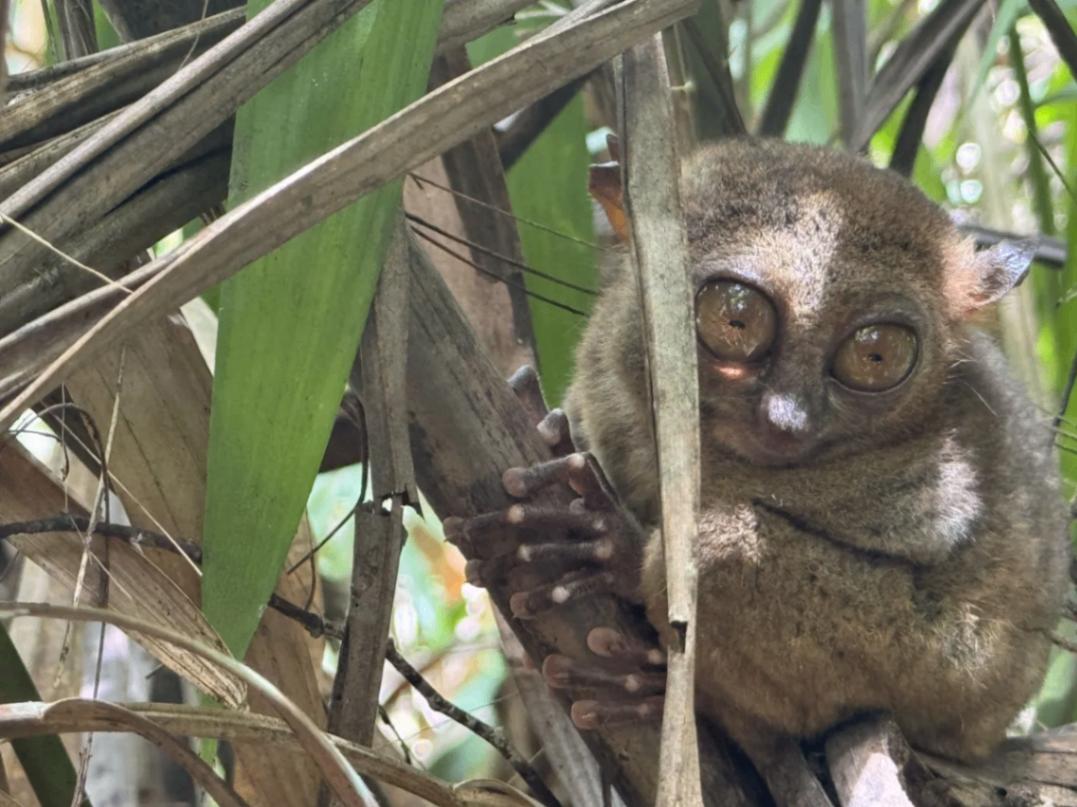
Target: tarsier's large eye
875, 357
735, 321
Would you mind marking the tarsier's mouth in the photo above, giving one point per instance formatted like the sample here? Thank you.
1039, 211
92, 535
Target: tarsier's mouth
767, 450
743, 438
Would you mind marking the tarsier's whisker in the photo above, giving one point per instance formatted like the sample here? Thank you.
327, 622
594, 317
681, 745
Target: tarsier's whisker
1066, 449
497, 255
1052, 414
494, 209
433, 241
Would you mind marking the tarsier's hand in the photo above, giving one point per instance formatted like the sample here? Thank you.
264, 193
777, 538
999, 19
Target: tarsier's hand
593, 546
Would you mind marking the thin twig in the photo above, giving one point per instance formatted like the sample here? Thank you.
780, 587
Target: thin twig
487, 732
1067, 392
135, 536
101, 495
404, 750
314, 623
108, 281
1070, 611
420, 181
310, 553
353, 408
91, 426
1054, 167
100, 504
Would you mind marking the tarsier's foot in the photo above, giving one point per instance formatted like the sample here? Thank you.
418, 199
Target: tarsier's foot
590, 547
629, 676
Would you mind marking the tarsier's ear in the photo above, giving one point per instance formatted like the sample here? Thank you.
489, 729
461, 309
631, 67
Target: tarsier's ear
605, 187
1002, 267
999, 269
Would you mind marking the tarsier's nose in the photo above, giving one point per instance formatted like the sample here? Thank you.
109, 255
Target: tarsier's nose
785, 413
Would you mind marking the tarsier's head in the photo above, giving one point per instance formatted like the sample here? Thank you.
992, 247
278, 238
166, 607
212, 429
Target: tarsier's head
829, 295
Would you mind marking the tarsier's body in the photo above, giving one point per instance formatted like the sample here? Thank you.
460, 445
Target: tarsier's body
880, 524
899, 550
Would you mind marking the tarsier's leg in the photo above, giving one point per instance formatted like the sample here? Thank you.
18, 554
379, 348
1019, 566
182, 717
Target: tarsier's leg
591, 547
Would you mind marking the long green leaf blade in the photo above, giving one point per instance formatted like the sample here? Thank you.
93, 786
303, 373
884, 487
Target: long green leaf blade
290, 323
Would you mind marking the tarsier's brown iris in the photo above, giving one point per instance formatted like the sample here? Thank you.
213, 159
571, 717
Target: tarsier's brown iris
875, 357
736, 322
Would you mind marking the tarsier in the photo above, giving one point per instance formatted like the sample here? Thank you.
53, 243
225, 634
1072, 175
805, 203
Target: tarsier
881, 526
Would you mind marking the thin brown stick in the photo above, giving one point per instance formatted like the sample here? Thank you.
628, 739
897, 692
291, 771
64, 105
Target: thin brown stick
380, 380
1062, 642
66, 522
493, 736
314, 623
660, 247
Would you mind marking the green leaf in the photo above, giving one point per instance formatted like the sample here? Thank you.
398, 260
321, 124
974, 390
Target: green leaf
44, 759
1062, 324
1037, 172
291, 322
106, 34
549, 186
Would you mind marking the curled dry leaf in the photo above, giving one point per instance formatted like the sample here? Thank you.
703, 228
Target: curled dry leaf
342, 779
34, 719
136, 586
119, 718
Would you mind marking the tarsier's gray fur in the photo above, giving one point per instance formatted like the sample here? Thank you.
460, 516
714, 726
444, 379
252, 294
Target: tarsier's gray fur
912, 554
